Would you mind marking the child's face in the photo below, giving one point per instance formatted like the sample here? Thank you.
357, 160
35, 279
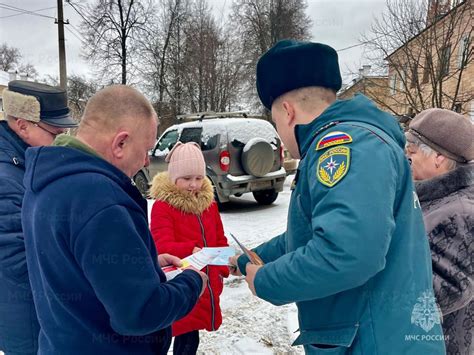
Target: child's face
191, 183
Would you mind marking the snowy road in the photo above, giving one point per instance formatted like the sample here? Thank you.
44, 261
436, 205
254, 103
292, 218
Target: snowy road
252, 326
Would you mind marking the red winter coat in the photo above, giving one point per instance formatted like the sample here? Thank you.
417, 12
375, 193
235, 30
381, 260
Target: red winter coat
179, 222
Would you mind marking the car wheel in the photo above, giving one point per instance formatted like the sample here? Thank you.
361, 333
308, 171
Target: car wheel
142, 183
265, 197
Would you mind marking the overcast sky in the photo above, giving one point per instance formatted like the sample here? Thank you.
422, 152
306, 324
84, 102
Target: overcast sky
338, 23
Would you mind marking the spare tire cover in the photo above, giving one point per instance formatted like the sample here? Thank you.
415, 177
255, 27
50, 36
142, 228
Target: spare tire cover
257, 157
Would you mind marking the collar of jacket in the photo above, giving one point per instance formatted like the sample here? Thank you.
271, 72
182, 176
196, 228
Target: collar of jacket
305, 134
12, 146
163, 189
446, 184
64, 140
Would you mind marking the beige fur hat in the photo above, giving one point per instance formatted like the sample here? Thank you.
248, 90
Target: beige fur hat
446, 132
37, 102
184, 160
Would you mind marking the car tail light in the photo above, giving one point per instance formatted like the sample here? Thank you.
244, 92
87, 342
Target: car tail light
224, 160
282, 153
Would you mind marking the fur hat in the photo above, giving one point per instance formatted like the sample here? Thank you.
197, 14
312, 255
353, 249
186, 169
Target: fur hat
37, 102
184, 160
291, 65
446, 132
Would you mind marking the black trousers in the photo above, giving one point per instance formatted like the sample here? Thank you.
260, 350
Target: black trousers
186, 344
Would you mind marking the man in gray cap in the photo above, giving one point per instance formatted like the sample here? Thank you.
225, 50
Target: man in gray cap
34, 114
354, 257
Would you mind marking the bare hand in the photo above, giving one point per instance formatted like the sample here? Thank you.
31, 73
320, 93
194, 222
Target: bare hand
204, 278
251, 270
167, 259
233, 266
196, 249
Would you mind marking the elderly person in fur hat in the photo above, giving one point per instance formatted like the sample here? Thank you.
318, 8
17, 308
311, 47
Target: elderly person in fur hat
34, 115
185, 219
440, 146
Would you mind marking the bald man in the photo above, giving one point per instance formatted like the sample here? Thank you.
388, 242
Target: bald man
96, 278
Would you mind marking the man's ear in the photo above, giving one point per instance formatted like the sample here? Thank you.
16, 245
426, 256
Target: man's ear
118, 144
21, 128
289, 112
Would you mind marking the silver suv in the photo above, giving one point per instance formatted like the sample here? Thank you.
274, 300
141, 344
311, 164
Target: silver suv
242, 154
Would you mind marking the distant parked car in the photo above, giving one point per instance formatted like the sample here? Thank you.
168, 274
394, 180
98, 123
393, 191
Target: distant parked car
242, 154
289, 163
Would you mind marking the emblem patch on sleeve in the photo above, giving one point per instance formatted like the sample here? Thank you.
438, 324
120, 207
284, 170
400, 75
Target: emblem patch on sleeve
332, 139
333, 165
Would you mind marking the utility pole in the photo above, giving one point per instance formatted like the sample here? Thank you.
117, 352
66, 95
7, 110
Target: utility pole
62, 50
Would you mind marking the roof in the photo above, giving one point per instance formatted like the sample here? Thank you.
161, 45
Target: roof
426, 28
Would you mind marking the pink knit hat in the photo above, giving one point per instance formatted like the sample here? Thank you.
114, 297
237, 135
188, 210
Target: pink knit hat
184, 160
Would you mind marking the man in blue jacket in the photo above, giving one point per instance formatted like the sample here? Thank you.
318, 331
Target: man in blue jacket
97, 282
34, 114
354, 257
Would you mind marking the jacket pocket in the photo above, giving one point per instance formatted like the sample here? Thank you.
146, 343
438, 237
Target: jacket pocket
336, 340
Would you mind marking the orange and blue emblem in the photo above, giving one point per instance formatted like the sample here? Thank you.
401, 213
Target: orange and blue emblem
333, 138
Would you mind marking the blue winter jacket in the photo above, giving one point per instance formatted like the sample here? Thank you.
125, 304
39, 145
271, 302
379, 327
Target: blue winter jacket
93, 266
19, 327
354, 257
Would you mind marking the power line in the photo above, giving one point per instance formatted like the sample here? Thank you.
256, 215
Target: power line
74, 34
33, 12
22, 11
80, 14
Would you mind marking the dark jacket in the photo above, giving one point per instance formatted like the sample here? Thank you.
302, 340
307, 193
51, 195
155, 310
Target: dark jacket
448, 210
179, 223
18, 324
354, 256
93, 267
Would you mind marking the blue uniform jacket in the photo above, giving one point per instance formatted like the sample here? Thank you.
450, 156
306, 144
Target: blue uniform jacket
18, 324
93, 267
354, 257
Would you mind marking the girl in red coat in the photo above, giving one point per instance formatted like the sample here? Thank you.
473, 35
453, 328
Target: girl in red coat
185, 219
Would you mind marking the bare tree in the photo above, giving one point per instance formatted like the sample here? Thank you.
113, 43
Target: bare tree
112, 29
9, 57
426, 47
79, 91
261, 23
29, 70
191, 63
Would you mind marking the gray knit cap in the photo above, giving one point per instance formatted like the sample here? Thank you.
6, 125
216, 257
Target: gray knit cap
446, 132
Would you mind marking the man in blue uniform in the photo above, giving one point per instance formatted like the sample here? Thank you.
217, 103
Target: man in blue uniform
354, 257
34, 114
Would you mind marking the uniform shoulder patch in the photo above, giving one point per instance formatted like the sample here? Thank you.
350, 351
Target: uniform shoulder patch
333, 165
333, 138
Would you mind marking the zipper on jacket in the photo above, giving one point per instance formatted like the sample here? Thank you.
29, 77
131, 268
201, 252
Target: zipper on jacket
203, 234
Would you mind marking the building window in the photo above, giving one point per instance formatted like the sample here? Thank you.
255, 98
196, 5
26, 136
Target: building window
393, 84
414, 77
463, 50
426, 72
403, 77
444, 63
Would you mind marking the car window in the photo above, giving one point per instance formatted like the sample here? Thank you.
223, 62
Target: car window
167, 142
191, 135
195, 134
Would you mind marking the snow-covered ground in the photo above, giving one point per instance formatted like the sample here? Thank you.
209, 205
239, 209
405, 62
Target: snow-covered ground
250, 325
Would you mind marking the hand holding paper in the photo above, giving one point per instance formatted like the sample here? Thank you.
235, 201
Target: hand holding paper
201, 259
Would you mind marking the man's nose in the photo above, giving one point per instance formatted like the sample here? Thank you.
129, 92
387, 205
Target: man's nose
147, 161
